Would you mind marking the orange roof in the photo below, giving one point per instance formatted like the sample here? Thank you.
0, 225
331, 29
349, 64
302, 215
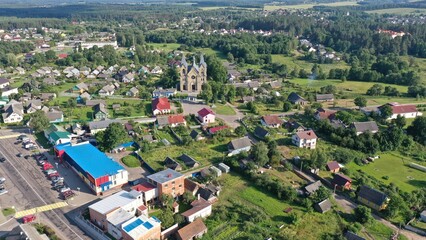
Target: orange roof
160, 104
143, 187
325, 113
193, 229
272, 120
173, 119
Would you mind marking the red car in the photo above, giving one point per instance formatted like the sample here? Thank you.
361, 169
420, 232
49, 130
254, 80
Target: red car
28, 218
47, 166
68, 194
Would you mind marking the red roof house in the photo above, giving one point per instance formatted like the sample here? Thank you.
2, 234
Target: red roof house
160, 106
206, 115
176, 120
272, 121
407, 111
322, 113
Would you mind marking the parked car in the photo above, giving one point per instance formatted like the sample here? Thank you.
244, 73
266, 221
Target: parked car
50, 171
2, 159
59, 187
41, 162
28, 218
67, 194
3, 191
47, 166
20, 137
53, 175
57, 179
2, 180
19, 155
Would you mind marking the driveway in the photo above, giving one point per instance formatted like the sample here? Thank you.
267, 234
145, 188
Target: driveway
230, 120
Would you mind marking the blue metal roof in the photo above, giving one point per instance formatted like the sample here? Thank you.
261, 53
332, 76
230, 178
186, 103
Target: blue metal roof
90, 159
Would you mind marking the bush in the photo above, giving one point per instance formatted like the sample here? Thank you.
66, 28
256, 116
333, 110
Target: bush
131, 161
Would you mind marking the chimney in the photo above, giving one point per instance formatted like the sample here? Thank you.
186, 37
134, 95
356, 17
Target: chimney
169, 175
198, 196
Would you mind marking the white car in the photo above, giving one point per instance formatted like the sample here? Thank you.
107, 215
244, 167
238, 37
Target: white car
4, 191
2, 180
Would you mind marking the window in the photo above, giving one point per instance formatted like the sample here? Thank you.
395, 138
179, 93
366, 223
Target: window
180, 185
166, 185
173, 182
173, 188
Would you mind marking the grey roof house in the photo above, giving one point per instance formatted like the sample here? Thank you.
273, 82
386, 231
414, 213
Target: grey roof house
362, 127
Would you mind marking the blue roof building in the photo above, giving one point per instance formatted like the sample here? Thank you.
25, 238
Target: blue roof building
98, 170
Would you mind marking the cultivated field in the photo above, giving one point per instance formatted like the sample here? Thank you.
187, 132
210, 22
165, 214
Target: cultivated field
399, 11
307, 6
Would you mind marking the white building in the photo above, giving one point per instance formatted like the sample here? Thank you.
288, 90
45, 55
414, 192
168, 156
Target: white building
110, 213
13, 112
200, 209
305, 139
407, 111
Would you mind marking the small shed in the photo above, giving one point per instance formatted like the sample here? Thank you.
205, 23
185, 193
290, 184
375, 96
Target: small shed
216, 171
323, 206
224, 168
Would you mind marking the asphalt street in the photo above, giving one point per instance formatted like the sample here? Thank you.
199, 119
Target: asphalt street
28, 187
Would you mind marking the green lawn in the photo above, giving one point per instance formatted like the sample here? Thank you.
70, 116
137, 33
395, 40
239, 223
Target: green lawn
131, 161
307, 6
292, 62
223, 109
391, 165
167, 47
399, 11
8, 211
347, 86
204, 153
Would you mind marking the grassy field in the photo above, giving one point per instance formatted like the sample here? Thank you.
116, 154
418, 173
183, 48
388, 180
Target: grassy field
167, 47
392, 165
307, 6
292, 62
8, 211
399, 11
131, 161
223, 109
347, 86
200, 151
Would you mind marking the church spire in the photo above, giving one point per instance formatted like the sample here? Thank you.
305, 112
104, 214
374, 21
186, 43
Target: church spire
202, 62
183, 61
193, 61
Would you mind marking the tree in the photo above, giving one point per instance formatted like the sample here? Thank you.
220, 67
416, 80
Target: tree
385, 112
50, 55
399, 121
318, 159
72, 103
167, 201
215, 69
39, 121
230, 57
206, 93
321, 194
166, 218
375, 90
113, 135
360, 101
170, 78
240, 131
363, 214
287, 106
418, 130
260, 153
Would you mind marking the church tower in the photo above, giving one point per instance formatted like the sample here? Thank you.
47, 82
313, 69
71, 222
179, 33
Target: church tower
192, 77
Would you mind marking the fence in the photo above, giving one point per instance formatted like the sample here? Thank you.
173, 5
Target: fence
144, 164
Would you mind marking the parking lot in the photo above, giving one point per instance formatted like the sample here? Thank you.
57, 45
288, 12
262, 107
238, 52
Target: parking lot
29, 187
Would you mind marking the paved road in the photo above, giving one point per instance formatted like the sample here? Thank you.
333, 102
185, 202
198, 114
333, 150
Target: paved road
231, 120
28, 187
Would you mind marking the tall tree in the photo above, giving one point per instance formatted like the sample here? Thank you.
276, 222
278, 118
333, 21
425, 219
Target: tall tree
113, 135
360, 101
260, 153
418, 129
215, 69
39, 121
